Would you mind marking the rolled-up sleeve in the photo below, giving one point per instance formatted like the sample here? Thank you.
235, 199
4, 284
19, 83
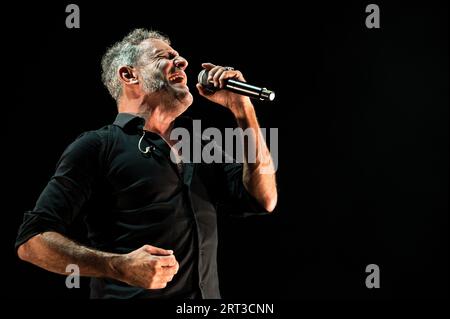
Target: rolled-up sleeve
67, 191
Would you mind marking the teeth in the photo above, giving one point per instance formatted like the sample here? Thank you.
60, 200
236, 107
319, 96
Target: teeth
176, 77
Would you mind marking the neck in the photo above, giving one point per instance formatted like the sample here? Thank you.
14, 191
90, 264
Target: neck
157, 118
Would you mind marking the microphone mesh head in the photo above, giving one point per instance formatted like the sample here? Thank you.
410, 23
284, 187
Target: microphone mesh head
203, 78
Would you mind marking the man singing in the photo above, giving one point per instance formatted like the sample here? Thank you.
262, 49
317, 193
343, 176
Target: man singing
156, 235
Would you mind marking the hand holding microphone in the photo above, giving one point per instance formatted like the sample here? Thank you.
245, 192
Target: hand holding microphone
215, 78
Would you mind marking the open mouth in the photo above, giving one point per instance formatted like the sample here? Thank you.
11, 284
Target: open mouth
176, 78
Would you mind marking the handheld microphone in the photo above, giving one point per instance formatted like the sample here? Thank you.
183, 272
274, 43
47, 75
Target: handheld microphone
237, 87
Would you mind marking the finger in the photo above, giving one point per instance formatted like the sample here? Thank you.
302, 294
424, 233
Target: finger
230, 74
202, 91
177, 267
164, 261
167, 271
157, 251
161, 277
217, 77
164, 279
158, 285
208, 66
212, 73
233, 74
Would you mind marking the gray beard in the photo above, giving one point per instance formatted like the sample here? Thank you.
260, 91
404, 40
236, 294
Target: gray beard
153, 84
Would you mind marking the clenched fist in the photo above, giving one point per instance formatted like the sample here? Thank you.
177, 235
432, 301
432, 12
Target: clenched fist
148, 267
217, 75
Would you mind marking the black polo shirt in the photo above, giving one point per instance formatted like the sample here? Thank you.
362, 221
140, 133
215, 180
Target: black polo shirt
147, 199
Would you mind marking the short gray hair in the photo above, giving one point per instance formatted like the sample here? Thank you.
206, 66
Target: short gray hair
125, 52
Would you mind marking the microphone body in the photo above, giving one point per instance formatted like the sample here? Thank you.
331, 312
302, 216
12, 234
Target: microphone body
238, 87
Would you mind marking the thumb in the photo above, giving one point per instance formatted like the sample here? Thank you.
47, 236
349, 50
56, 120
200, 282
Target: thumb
202, 91
157, 251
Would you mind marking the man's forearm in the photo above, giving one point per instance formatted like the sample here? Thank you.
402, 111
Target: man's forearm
53, 252
259, 175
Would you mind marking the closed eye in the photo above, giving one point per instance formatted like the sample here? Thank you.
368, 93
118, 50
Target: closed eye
169, 56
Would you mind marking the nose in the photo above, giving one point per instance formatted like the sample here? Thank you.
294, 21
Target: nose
180, 62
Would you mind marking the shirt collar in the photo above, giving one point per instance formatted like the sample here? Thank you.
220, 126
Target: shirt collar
128, 120
124, 120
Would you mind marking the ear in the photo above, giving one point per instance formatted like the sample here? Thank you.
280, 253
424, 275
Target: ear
127, 75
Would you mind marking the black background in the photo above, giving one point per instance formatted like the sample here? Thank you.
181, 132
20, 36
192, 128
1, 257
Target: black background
363, 135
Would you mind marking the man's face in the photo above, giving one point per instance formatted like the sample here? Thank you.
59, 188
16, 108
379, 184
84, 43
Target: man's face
162, 71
